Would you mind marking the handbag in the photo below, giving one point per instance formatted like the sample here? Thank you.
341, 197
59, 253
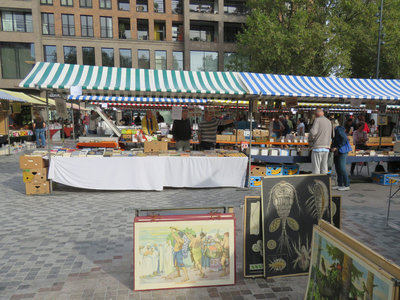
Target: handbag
346, 148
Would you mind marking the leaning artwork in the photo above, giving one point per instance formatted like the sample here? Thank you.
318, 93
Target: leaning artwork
291, 205
184, 251
338, 271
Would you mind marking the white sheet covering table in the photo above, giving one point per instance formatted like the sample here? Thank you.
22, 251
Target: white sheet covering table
148, 173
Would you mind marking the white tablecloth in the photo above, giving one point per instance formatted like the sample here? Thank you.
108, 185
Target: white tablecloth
148, 173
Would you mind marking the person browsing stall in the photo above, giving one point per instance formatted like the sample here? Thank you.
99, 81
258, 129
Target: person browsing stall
320, 142
341, 147
125, 121
93, 122
149, 123
182, 132
39, 127
160, 118
208, 131
360, 138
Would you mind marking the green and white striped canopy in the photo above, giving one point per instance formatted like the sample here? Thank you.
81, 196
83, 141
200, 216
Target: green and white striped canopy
46, 75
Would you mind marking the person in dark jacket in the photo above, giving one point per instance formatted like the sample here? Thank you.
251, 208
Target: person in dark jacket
182, 132
126, 121
341, 147
138, 120
286, 125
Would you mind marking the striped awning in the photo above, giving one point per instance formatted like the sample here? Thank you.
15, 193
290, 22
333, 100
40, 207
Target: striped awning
270, 86
136, 99
137, 82
6, 95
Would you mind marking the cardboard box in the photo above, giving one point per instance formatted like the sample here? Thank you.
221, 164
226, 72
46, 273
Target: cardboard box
37, 188
241, 138
353, 151
257, 170
32, 162
223, 138
155, 146
168, 140
34, 175
383, 178
255, 181
373, 140
127, 137
387, 140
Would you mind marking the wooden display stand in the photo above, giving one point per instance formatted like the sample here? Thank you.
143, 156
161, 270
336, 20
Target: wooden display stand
3, 123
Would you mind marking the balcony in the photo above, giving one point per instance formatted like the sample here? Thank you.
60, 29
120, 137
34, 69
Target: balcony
177, 32
177, 6
205, 7
235, 8
123, 5
143, 30
142, 6
230, 32
124, 28
204, 31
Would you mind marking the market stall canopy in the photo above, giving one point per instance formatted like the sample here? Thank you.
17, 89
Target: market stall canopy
136, 82
5, 95
136, 99
314, 88
53, 102
26, 98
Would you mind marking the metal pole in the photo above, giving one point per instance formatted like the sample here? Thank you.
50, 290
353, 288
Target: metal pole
251, 136
8, 130
48, 135
236, 123
73, 124
379, 41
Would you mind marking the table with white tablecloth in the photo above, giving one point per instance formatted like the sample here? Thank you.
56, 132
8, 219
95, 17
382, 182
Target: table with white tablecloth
148, 173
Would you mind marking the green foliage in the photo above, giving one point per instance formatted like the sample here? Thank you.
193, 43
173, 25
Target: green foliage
321, 38
335, 253
172, 240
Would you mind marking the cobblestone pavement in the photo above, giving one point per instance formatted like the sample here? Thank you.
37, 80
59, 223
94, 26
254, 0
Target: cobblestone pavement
77, 244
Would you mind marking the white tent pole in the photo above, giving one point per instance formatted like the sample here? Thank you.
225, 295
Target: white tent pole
8, 129
48, 135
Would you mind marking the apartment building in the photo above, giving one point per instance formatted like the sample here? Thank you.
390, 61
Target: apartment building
197, 35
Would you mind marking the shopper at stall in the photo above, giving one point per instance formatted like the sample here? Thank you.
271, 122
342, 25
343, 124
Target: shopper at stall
300, 127
182, 132
289, 122
86, 121
360, 138
372, 126
160, 118
341, 147
227, 116
93, 122
320, 142
348, 127
276, 127
149, 123
39, 126
285, 124
125, 121
208, 131
138, 121
361, 118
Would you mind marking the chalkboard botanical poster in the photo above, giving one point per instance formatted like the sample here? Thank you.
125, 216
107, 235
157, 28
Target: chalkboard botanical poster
291, 205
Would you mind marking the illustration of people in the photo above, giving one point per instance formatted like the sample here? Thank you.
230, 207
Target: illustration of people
178, 254
168, 259
195, 244
154, 260
161, 255
140, 269
205, 260
225, 251
147, 269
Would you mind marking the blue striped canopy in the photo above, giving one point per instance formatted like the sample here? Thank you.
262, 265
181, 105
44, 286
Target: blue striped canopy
274, 86
136, 99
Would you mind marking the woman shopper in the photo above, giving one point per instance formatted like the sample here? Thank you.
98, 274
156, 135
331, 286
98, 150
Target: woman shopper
300, 127
39, 126
360, 138
341, 146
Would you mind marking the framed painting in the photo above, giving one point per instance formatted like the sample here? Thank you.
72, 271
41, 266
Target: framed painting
253, 261
184, 251
183, 211
340, 271
291, 205
337, 211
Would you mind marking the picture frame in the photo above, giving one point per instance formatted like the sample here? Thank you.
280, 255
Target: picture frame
183, 211
382, 120
188, 242
253, 261
291, 206
342, 266
337, 211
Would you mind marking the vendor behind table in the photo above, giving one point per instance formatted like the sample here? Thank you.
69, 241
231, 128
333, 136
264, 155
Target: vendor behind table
208, 131
149, 123
182, 132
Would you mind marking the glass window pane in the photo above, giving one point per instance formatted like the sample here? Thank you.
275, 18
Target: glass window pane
125, 58
88, 56
107, 57
7, 21
196, 61
204, 61
144, 59
177, 6
178, 60
70, 55
50, 54
161, 60
211, 61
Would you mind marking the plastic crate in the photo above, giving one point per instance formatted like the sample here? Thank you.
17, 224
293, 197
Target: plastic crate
291, 170
255, 181
383, 178
274, 170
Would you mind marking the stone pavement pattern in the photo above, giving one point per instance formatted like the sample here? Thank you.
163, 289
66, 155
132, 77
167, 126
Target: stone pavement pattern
77, 244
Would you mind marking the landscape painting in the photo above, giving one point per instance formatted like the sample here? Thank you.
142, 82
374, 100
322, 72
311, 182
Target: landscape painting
338, 272
184, 253
291, 206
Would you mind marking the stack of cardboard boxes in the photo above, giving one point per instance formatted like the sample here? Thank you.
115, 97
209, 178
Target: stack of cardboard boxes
34, 170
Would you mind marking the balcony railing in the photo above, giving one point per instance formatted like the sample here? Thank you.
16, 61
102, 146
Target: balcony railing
236, 10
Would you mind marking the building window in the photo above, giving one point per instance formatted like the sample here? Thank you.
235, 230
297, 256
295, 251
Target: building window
105, 4
201, 33
70, 55
229, 58
16, 21
67, 2
50, 54
177, 32
68, 25
106, 27
204, 61
142, 30
142, 5
46, 2
159, 6
203, 6
161, 60
144, 59
176, 6
178, 60
88, 56
85, 3
48, 24
159, 30
87, 25
125, 58
231, 30
107, 57
232, 7
124, 28
123, 5
13, 58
